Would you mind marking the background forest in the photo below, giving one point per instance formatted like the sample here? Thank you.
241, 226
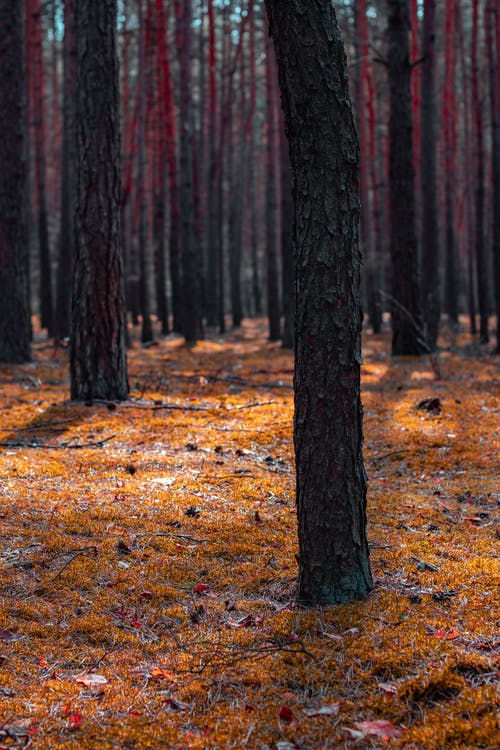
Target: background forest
212, 223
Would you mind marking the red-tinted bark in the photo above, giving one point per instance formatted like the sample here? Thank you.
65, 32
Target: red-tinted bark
272, 144
492, 25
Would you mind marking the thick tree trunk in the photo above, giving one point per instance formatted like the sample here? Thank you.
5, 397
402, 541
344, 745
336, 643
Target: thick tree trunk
98, 365
273, 299
407, 328
14, 303
287, 247
62, 323
428, 186
331, 482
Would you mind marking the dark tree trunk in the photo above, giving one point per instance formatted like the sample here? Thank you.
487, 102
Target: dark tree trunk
252, 207
482, 270
62, 323
143, 82
191, 292
449, 138
238, 177
273, 300
37, 87
98, 364
430, 235
14, 303
493, 43
407, 329
213, 194
287, 248
160, 199
331, 482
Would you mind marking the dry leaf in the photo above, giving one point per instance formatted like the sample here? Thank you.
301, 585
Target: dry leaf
91, 680
328, 710
381, 728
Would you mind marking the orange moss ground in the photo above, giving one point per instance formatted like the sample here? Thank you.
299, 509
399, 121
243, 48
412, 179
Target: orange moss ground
148, 580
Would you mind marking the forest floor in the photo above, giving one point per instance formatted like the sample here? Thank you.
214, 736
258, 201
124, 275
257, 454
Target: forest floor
147, 557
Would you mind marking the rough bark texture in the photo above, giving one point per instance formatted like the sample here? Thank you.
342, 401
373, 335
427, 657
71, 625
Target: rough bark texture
62, 323
14, 304
430, 235
37, 88
98, 365
481, 250
287, 246
449, 137
331, 483
493, 43
273, 298
407, 328
191, 290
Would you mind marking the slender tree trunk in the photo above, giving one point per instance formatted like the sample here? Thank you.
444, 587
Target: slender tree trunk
273, 303
98, 364
37, 88
407, 329
331, 482
191, 293
14, 302
428, 186
252, 187
492, 24
481, 253
160, 201
213, 225
62, 323
144, 291
449, 137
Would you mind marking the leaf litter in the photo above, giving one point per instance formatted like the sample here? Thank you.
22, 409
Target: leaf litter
148, 576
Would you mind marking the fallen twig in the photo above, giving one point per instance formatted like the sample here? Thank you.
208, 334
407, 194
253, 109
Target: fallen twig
60, 446
75, 553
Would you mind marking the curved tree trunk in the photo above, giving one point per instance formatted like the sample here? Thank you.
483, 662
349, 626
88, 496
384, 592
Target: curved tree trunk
98, 365
14, 303
331, 482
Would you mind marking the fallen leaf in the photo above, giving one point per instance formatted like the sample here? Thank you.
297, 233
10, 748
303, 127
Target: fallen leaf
158, 673
75, 719
331, 709
248, 621
91, 680
286, 714
201, 588
389, 688
176, 705
381, 728
446, 635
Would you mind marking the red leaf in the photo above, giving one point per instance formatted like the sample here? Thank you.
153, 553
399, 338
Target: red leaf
201, 588
446, 635
286, 714
91, 680
381, 728
75, 719
389, 688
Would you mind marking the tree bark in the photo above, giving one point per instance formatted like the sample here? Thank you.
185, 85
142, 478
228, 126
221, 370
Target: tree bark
14, 302
191, 293
428, 186
331, 482
62, 323
493, 43
449, 138
407, 328
273, 299
98, 365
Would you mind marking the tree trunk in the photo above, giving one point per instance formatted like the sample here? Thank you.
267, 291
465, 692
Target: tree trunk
98, 364
37, 88
287, 248
273, 301
62, 323
407, 329
143, 82
449, 138
430, 235
14, 303
331, 482
493, 43
191, 296
482, 272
